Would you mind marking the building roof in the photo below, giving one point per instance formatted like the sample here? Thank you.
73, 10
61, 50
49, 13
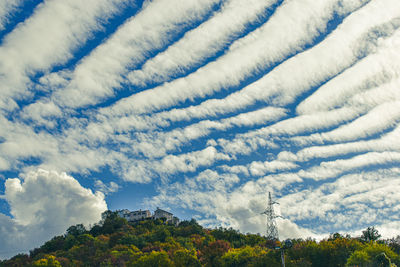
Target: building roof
158, 209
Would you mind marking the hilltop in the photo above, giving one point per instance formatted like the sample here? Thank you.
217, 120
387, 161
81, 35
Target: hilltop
153, 242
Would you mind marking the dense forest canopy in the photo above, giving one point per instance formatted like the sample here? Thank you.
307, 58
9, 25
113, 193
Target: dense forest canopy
116, 242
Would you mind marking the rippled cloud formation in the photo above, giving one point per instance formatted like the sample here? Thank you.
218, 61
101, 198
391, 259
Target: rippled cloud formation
201, 107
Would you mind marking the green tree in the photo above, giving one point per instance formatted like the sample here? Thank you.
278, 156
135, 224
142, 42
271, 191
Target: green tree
188, 228
18, 260
76, 230
154, 259
250, 256
381, 260
110, 223
233, 236
373, 254
48, 261
184, 257
359, 258
122, 254
370, 234
239, 257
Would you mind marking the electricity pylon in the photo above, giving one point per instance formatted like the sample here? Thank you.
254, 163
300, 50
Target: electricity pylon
272, 229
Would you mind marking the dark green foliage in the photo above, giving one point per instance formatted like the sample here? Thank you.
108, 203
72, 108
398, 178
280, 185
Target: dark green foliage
233, 236
19, 260
370, 234
116, 242
76, 230
188, 228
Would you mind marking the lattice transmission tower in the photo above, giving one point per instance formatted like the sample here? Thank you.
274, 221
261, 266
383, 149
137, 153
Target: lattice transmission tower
272, 229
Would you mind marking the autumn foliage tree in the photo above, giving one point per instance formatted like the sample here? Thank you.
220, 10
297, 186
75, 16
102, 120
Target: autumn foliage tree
117, 242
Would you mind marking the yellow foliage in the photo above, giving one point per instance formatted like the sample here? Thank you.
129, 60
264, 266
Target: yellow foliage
49, 260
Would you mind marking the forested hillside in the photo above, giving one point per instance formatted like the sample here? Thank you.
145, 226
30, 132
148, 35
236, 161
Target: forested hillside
117, 242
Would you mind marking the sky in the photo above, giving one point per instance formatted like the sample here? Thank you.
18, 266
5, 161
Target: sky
199, 107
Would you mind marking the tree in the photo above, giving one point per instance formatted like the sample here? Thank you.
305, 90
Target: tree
49, 261
154, 259
212, 253
381, 260
358, 258
109, 223
76, 230
370, 234
372, 254
394, 243
122, 254
17, 260
184, 257
188, 228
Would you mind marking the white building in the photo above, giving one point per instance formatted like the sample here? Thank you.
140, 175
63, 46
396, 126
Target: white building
170, 218
132, 216
123, 213
159, 214
138, 215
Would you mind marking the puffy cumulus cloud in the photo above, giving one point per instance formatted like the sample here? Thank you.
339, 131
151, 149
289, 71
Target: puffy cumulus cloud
44, 204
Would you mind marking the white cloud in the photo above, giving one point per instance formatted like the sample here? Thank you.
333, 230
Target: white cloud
202, 42
100, 73
241, 208
301, 125
375, 69
48, 38
273, 83
44, 204
158, 144
379, 119
145, 170
244, 57
347, 121
262, 168
387, 142
6, 8
330, 169
368, 197
112, 187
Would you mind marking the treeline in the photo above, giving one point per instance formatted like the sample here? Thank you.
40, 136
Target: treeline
117, 242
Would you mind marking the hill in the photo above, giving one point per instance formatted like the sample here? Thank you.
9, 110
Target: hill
116, 242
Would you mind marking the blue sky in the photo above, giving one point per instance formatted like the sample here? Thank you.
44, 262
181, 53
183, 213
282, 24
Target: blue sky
200, 108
